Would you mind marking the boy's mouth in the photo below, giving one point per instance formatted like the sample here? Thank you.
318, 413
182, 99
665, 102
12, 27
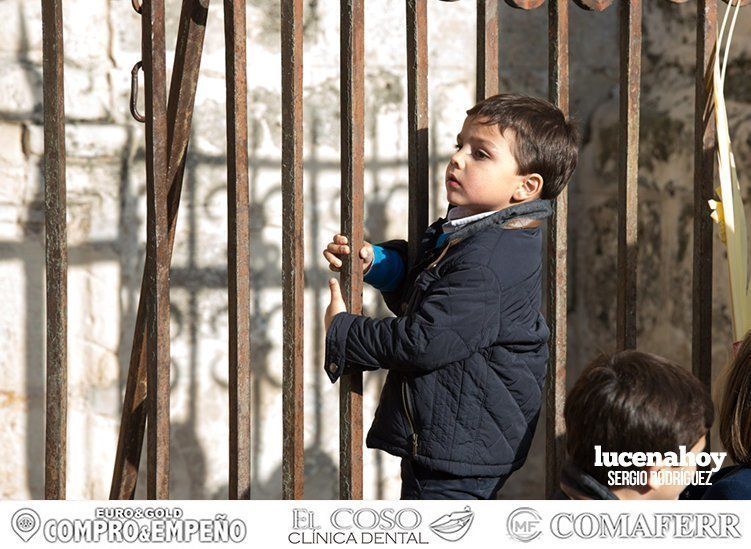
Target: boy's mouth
451, 180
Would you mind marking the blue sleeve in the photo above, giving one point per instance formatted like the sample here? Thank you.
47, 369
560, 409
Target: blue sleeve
386, 271
455, 318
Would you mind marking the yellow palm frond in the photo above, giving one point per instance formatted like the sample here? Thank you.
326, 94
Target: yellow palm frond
728, 212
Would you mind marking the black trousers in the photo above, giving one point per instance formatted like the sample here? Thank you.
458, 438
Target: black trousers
419, 482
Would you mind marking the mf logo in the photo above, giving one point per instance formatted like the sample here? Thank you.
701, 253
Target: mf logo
524, 524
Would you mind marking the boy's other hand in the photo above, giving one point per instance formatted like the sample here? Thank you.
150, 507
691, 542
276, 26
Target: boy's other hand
339, 246
337, 303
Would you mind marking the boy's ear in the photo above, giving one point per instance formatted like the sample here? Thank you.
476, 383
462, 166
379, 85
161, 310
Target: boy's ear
530, 188
653, 482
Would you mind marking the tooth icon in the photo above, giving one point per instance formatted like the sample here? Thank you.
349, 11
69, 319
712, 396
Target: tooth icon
453, 526
25, 523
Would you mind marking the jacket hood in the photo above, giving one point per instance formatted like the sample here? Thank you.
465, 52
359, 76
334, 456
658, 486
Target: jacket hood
533, 210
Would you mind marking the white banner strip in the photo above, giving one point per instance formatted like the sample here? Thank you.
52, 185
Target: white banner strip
265, 524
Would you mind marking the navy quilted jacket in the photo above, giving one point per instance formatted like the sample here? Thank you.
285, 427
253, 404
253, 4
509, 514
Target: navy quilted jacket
467, 352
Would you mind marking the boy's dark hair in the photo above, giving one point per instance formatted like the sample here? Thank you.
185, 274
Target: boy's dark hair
634, 402
545, 142
735, 410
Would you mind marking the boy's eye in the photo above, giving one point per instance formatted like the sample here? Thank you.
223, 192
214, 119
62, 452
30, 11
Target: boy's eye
479, 154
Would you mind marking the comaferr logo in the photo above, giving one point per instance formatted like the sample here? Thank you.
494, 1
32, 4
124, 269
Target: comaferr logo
645, 525
523, 524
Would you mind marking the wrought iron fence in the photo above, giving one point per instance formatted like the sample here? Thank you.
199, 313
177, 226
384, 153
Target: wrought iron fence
167, 118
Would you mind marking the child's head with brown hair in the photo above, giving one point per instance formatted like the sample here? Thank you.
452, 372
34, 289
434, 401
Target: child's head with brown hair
512, 148
633, 401
735, 409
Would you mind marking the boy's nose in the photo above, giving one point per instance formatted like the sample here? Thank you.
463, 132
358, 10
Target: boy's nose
456, 160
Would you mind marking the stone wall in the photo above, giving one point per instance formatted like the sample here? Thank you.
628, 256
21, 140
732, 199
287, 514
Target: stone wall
107, 211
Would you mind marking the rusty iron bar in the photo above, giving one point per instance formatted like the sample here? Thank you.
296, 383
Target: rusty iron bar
352, 90
630, 14
56, 251
182, 94
238, 250
705, 143
487, 49
293, 272
417, 123
557, 281
188, 50
157, 258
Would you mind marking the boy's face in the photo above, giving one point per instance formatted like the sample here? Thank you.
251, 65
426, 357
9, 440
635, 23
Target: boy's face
672, 491
482, 174
659, 490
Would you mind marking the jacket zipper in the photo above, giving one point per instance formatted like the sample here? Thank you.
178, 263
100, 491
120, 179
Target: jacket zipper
413, 295
408, 409
446, 249
406, 399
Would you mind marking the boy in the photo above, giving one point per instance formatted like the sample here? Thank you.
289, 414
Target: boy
467, 352
643, 403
